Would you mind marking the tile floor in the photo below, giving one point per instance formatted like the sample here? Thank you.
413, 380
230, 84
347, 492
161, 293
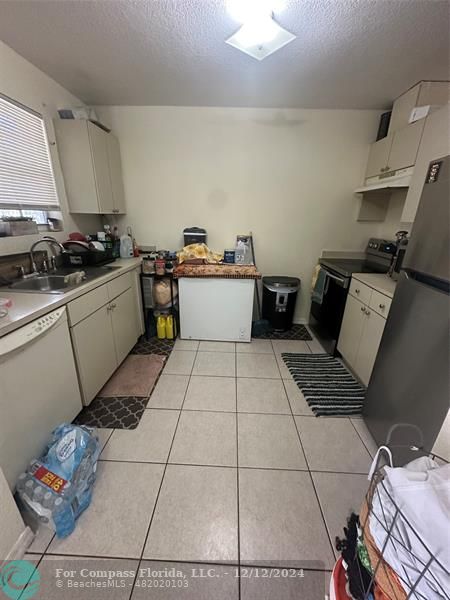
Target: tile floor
229, 469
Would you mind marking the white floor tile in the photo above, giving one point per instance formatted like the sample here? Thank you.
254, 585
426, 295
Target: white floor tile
205, 438
255, 347
149, 442
296, 346
116, 522
217, 347
186, 344
169, 391
218, 364
280, 520
180, 363
257, 365
297, 401
261, 395
340, 494
196, 516
332, 444
365, 435
198, 582
56, 586
211, 393
269, 441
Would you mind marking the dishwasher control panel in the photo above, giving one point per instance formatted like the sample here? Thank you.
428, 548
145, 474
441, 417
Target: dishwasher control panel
29, 332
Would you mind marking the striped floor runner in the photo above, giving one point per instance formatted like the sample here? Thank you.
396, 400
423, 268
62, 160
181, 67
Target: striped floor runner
327, 385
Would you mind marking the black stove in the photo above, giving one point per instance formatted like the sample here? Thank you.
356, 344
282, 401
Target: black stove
327, 311
347, 266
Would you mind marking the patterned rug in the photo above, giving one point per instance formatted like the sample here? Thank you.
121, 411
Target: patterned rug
136, 376
327, 385
153, 346
117, 413
296, 332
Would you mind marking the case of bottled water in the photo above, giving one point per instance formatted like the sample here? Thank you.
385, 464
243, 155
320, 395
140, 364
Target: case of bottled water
58, 487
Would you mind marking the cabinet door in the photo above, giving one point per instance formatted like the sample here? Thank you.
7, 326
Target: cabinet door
95, 354
435, 143
378, 156
76, 163
351, 329
405, 146
115, 171
99, 149
370, 342
124, 322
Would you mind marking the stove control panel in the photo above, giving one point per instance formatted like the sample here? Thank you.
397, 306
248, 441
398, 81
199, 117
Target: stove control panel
381, 247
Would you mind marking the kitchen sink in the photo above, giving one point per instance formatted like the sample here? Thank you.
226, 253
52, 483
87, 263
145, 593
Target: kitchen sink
56, 283
42, 283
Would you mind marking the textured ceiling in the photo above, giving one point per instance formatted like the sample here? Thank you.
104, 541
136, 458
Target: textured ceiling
348, 54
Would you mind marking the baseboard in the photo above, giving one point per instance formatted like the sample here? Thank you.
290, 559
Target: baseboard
21, 545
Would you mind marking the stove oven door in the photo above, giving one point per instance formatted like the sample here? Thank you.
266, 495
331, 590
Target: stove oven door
325, 318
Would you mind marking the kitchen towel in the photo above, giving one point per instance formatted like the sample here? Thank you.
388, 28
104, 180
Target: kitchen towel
318, 284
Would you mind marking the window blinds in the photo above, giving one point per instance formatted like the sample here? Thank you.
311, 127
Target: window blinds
26, 175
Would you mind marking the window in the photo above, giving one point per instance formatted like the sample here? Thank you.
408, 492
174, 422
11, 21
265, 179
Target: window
27, 183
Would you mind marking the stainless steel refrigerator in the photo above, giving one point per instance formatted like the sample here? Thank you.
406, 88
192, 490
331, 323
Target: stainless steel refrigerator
409, 392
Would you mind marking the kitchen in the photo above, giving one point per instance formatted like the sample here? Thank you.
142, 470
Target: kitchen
291, 165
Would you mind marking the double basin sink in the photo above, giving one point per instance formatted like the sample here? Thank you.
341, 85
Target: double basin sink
58, 282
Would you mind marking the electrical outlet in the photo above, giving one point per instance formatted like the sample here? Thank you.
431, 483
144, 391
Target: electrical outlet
241, 333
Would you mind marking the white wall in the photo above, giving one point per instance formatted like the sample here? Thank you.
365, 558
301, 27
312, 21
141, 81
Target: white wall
286, 175
23, 82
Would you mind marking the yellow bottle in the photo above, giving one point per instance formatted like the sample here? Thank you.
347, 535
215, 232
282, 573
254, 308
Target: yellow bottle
169, 327
161, 327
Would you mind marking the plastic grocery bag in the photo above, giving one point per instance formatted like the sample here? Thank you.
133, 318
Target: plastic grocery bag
58, 487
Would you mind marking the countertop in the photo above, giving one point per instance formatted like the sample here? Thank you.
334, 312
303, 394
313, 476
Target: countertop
29, 306
378, 281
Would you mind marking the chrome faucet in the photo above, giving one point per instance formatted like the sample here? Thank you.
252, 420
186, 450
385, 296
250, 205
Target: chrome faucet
51, 241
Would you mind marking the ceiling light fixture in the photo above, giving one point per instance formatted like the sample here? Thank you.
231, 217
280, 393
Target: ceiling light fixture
259, 35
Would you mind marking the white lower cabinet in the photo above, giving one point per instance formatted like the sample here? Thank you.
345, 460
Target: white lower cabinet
124, 323
95, 353
351, 329
369, 344
362, 329
103, 337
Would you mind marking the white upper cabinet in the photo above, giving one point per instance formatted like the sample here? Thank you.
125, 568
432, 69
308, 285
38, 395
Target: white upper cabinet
434, 93
91, 165
115, 172
435, 144
395, 151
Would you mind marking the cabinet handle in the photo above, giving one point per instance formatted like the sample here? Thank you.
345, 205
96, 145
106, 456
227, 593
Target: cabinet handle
363, 309
113, 306
382, 306
357, 291
367, 312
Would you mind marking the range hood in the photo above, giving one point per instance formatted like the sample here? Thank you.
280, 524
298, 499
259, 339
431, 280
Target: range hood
387, 181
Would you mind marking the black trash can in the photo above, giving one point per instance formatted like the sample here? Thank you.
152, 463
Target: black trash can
279, 298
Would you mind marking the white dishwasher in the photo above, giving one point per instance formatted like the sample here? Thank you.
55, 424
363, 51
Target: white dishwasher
38, 389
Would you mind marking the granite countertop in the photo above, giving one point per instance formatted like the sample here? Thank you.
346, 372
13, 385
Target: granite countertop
29, 306
378, 281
